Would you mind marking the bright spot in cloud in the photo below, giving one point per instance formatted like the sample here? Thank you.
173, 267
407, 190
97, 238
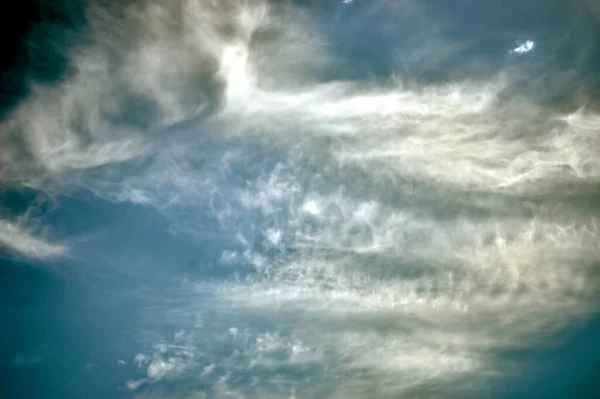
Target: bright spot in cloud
311, 207
524, 47
233, 68
274, 236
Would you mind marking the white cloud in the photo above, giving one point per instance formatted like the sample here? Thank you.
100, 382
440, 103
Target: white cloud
16, 237
524, 47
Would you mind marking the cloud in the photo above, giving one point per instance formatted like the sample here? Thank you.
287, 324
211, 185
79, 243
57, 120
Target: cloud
525, 47
17, 237
388, 234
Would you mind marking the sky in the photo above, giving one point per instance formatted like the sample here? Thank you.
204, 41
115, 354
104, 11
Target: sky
300, 199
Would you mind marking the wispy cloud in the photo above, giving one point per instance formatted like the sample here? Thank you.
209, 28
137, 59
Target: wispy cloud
408, 229
17, 237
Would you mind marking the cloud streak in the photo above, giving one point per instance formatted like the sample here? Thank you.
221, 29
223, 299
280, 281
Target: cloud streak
18, 238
